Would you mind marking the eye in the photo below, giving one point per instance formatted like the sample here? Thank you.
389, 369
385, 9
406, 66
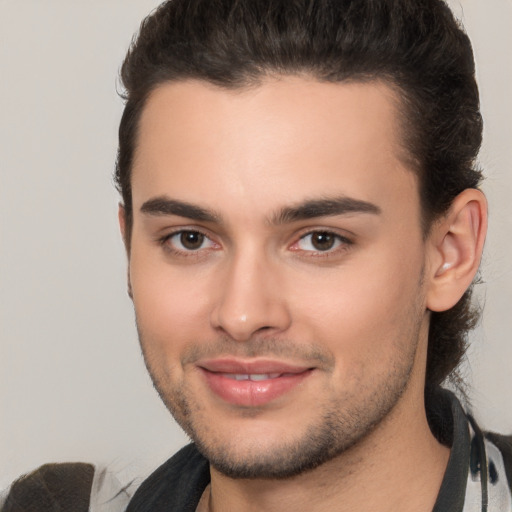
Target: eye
188, 241
320, 241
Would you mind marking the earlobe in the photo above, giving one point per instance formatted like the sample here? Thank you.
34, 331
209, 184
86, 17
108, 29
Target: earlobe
457, 242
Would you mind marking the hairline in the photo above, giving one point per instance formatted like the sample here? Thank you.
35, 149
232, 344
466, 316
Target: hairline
399, 98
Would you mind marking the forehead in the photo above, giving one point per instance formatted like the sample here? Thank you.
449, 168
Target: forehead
281, 141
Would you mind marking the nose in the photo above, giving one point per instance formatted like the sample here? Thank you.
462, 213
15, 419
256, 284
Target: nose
251, 300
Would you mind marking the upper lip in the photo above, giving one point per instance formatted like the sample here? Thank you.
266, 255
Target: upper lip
258, 366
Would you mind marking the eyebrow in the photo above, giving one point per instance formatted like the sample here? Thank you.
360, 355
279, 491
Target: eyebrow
310, 209
324, 208
160, 206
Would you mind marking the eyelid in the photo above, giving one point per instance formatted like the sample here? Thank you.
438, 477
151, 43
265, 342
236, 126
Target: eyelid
343, 243
165, 239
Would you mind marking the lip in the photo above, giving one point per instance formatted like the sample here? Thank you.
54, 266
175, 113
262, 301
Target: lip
275, 378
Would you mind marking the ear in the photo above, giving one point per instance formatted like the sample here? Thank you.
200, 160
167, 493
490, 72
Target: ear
455, 248
125, 228
121, 215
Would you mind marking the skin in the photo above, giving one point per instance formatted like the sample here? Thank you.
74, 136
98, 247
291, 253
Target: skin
256, 286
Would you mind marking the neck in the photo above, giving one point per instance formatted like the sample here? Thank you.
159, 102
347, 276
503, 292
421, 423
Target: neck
398, 467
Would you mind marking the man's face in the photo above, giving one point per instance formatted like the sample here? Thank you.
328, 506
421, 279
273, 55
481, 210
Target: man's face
276, 266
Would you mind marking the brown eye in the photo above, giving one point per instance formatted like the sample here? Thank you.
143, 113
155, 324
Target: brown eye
191, 240
188, 242
323, 241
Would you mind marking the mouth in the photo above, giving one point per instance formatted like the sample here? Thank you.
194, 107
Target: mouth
252, 383
255, 377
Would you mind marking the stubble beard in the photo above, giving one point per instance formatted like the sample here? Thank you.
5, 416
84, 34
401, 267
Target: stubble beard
345, 422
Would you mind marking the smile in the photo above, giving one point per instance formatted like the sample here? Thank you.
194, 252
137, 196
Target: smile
254, 377
252, 384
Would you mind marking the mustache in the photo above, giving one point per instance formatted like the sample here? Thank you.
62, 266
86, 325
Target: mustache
309, 354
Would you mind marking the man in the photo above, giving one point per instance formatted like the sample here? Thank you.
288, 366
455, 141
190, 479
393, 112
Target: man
303, 225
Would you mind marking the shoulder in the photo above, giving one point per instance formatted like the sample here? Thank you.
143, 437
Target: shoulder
82, 487
504, 444
176, 485
69, 487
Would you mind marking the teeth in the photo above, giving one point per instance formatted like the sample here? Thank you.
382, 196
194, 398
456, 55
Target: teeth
264, 376
252, 376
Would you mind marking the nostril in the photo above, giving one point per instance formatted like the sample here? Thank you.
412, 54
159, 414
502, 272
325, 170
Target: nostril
264, 328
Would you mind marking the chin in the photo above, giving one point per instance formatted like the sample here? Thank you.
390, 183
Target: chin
247, 455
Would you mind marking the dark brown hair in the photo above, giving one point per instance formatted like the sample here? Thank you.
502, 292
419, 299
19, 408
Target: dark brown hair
414, 45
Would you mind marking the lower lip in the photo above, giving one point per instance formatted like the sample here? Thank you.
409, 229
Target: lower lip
250, 393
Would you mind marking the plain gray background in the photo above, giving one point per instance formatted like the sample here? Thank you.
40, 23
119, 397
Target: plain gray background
72, 382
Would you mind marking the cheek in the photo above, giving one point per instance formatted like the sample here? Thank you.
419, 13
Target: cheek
363, 311
171, 306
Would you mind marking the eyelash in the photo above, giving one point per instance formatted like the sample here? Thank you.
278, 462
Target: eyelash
164, 241
342, 243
